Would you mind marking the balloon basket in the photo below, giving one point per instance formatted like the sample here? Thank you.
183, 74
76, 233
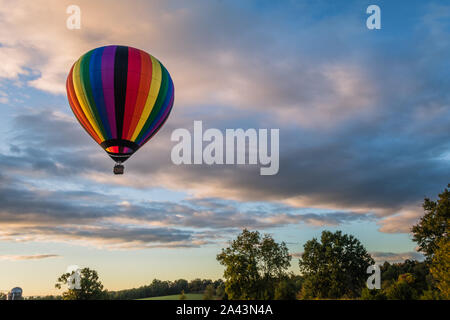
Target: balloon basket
118, 169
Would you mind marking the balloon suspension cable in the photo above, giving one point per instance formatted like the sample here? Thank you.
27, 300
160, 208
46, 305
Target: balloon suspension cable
118, 168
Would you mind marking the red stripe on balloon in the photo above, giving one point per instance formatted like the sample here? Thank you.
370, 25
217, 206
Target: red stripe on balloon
133, 79
144, 87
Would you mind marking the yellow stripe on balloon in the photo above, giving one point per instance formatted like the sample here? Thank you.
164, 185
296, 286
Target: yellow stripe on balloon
151, 99
80, 92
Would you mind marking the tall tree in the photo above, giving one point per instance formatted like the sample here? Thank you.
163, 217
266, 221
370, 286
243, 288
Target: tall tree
90, 286
434, 225
334, 267
252, 265
440, 268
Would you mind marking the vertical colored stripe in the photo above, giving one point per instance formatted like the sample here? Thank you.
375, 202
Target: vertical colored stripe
107, 68
95, 72
82, 100
163, 113
154, 130
144, 85
157, 106
120, 85
152, 96
76, 108
133, 79
87, 89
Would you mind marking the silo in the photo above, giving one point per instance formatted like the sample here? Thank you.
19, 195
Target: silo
15, 294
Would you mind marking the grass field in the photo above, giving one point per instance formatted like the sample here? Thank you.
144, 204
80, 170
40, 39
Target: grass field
189, 296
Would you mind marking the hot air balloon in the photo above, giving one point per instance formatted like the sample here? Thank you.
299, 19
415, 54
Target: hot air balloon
121, 96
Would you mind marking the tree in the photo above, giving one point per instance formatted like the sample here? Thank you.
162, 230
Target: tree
210, 292
253, 265
434, 225
440, 268
403, 289
196, 285
180, 284
2, 296
372, 294
335, 267
286, 289
220, 292
431, 294
90, 286
420, 271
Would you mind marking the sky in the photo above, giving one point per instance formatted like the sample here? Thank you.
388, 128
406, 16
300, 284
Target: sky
363, 115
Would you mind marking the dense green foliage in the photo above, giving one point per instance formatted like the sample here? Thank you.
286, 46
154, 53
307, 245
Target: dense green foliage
440, 268
159, 288
288, 288
335, 267
433, 227
91, 287
254, 264
404, 281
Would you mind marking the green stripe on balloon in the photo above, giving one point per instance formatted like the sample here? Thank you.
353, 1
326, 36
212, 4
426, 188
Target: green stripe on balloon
87, 88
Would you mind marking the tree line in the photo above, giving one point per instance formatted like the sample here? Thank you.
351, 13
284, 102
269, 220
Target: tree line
92, 289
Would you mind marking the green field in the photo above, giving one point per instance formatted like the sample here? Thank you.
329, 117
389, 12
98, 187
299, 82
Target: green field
189, 296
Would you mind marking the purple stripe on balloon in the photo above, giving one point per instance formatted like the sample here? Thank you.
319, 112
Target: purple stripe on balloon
108, 86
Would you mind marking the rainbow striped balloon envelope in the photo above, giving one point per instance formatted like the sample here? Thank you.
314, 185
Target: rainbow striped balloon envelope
121, 96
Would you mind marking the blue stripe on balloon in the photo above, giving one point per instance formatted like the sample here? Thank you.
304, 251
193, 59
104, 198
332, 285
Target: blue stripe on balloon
95, 73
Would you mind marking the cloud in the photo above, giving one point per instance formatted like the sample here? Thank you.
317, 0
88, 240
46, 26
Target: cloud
28, 257
111, 236
402, 221
30, 213
297, 255
381, 257
16, 61
216, 66
33, 212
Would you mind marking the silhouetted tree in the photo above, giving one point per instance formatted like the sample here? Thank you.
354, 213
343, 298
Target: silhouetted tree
335, 267
440, 268
253, 265
90, 286
434, 225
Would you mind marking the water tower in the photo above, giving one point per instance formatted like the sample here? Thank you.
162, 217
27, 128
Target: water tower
15, 294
